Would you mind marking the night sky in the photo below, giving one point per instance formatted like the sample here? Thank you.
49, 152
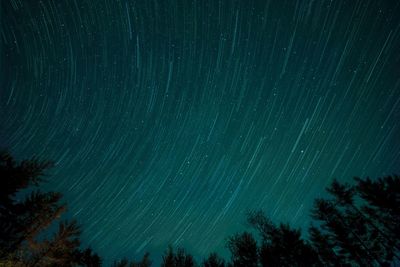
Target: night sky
169, 120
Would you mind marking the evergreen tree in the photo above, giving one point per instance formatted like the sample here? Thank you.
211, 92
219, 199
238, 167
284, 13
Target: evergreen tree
244, 250
281, 246
336, 228
17, 215
145, 262
178, 259
25, 216
57, 251
382, 204
213, 260
359, 224
324, 247
87, 258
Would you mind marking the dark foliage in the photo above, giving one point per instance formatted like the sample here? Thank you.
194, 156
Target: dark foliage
177, 259
359, 225
281, 245
25, 216
87, 258
243, 248
213, 260
145, 262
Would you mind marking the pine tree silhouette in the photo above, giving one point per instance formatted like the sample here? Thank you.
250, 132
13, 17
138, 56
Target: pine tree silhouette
244, 251
281, 246
324, 246
58, 251
359, 224
213, 260
25, 216
87, 258
145, 262
383, 202
178, 259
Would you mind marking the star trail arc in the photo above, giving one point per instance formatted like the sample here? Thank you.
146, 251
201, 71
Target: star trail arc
168, 120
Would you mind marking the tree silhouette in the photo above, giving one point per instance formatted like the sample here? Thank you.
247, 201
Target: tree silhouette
213, 260
87, 258
145, 262
324, 246
382, 197
281, 245
19, 219
359, 224
25, 216
178, 259
59, 250
337, 228
244, 250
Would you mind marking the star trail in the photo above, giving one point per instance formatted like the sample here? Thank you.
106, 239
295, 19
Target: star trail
169, 120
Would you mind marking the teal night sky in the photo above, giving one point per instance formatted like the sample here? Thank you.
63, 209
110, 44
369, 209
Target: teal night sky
169, 119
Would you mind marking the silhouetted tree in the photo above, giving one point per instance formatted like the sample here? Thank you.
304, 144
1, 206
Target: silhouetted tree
20, 219
288, 249
213, 260
178, 259
345, 195
24, 216
281, 246
324, 246
336, 229
168, 258
382, 197
145, 262
57, 251
121, 263
359, 224
87, 258
244, 251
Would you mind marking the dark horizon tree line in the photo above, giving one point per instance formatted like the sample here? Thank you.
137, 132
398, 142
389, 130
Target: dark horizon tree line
357, 225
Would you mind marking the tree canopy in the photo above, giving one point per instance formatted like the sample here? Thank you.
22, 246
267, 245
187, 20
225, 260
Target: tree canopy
357, 225
25, 215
